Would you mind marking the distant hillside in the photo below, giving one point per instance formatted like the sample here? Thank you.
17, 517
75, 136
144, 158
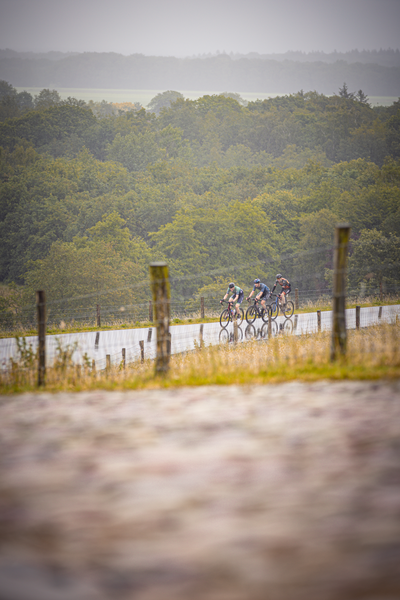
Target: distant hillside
385, 58
249, 73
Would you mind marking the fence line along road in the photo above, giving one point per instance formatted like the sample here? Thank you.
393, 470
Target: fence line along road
96, 345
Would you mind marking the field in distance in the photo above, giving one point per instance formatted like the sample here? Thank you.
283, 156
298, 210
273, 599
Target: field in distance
144, 96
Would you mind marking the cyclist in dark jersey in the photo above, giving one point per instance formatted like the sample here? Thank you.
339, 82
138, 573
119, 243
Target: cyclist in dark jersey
285, 285
237, 297
262, 290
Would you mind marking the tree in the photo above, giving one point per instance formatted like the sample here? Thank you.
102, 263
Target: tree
393, 135
163, 100
316, 248
344, 92
375, 261
361, 97
103, 109
47, 98
236, 97
82, 273
6, 89
25, 101
135, 151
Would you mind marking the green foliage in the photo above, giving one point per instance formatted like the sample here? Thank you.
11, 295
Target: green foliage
47, 99
220, 190
45, 127
135, 151
163, 100
375, 260
27, 357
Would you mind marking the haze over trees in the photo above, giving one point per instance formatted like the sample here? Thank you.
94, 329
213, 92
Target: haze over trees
219, 190
375, 71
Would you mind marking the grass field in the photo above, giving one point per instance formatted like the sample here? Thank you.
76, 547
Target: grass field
144, 96
372, 353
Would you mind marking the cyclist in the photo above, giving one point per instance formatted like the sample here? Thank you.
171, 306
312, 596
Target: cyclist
285, 285
237, 297
263, 292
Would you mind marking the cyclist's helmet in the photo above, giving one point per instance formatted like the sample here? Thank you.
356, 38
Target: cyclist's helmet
256, 281
231, 285
278, 276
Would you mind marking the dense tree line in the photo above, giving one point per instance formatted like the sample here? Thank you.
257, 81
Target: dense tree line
252, 73
219, 190
385, 57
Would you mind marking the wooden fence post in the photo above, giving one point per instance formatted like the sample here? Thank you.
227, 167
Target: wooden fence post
150, 311
41, 317
235, 331
342, 235
98, 316
141, 344
169, 342
269, 324
319, 319
97, 340
357, 317
296, 318
202, 307
149, 335
296, 299
108, 362
123, 358
161, 299
201, 336
380, 312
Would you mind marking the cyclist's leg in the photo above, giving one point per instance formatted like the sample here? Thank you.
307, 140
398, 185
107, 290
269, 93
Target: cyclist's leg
263, 302
239, 302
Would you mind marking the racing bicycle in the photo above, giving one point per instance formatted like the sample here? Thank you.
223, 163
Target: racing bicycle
229, 315
286, 309
256, 311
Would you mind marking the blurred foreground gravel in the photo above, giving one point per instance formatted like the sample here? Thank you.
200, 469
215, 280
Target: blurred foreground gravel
274, 492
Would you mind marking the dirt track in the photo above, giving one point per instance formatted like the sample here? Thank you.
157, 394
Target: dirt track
284, 492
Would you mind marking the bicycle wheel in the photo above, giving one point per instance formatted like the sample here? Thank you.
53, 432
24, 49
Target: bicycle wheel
287, 326
264, 330
265, 314
251, 314
224, 318
250, 332
224, 336
240, 317
289, 309
273, 311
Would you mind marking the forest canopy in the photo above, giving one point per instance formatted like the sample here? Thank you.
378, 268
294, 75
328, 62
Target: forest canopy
217, 189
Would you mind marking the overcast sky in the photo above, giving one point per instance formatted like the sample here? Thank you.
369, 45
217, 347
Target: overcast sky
190, 27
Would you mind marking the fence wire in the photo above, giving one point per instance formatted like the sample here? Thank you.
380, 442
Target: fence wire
91, 349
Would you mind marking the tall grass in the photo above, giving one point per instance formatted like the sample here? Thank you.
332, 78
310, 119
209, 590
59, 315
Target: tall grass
373, 352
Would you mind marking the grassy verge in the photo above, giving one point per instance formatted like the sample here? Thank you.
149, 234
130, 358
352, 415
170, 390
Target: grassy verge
52, 330
371, 354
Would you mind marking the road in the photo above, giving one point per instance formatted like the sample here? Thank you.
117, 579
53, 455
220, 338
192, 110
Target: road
96, 345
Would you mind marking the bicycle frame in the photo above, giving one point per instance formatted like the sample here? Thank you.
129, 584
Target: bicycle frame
260, 312
233, 315
276, 306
